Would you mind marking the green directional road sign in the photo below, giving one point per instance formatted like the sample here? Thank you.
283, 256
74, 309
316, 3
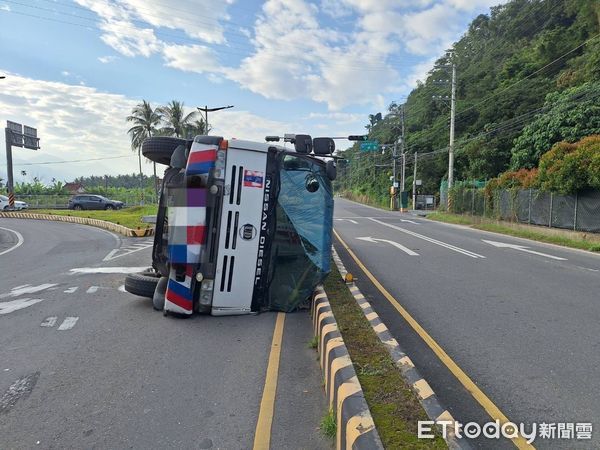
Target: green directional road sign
369, 146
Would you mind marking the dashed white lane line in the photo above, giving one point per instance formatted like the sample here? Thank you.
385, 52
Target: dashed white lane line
86, 270
15, 305
71, 290
49, 322
68, 323
15, 292
20, 241
92, 289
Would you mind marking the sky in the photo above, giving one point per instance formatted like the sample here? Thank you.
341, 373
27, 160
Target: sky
75, 68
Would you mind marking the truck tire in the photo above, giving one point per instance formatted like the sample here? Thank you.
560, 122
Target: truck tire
142, 284
160, 148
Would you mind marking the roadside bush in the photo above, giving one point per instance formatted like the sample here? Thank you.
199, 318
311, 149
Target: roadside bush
567, 168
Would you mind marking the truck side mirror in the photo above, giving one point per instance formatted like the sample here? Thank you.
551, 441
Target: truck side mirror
323, 146
303, 143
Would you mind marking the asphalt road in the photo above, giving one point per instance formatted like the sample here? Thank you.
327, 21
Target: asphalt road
525, 327
85, 365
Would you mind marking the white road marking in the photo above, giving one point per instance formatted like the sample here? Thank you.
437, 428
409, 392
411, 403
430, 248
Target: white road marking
122, 288
348, 220
19, 287
522, 248
395, 244
71, 290
409, 221
20, 241
433, 241
68, 323
15, 292
92, 289
108, 269
15, 305
49, 322
131, 248
587, 268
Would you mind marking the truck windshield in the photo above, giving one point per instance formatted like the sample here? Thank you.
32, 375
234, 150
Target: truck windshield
301, 248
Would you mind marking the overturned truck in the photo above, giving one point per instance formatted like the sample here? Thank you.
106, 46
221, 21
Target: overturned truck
242, 226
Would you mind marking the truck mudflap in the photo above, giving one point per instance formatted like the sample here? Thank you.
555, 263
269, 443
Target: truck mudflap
187, 207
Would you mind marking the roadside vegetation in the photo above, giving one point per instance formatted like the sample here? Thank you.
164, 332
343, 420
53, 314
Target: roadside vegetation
328, 425
580, 240
528, 78
129, 217
394, 406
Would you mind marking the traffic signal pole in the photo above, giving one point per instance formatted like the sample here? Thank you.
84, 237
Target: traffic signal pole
9, 168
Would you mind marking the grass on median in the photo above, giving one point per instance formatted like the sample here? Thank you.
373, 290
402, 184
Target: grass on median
129, 217
329, 425
394, 406
548, 235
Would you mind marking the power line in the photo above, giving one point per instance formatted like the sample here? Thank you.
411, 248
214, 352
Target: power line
368, 67
494, 94
73, 160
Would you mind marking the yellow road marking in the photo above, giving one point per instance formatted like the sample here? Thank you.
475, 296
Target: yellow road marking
262, 435
492, 410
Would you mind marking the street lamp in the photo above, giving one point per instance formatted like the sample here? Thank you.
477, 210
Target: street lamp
206, 110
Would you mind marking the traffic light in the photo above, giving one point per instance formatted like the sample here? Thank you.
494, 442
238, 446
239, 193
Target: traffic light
363, 137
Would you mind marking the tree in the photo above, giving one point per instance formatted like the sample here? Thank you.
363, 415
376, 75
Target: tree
195, 128
175, 118
568, 116
145, 121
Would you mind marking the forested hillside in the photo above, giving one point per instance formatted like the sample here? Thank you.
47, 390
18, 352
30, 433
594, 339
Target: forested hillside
528, 76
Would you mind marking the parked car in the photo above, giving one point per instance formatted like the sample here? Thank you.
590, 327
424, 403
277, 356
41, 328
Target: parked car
88, 201
4, 205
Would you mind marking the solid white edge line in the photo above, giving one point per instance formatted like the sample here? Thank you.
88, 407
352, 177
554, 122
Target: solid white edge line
20, 241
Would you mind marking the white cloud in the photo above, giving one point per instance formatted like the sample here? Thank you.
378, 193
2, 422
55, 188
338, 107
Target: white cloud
340, 118
78, 122
295, 57
107, 59
191, 58
5, 7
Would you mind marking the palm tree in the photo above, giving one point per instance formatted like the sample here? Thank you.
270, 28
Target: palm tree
195, 128
145, 121
175, 118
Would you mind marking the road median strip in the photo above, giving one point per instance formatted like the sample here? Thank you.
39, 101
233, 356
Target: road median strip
121, 229
429, 401
355, 428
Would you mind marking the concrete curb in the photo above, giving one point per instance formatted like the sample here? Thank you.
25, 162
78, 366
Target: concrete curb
130, 232
355, 427
431, 404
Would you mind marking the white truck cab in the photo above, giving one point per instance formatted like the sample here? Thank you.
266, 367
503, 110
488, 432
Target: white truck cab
242, 226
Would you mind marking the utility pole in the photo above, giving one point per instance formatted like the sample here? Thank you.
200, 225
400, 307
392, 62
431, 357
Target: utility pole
415, 183
452, 115
403, 176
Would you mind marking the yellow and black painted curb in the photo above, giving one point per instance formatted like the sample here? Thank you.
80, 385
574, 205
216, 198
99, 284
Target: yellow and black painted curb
431, 404
131, 232
355, 427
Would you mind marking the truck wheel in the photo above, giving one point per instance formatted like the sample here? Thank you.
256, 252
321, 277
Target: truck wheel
142, 284
160, 148
158, 299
